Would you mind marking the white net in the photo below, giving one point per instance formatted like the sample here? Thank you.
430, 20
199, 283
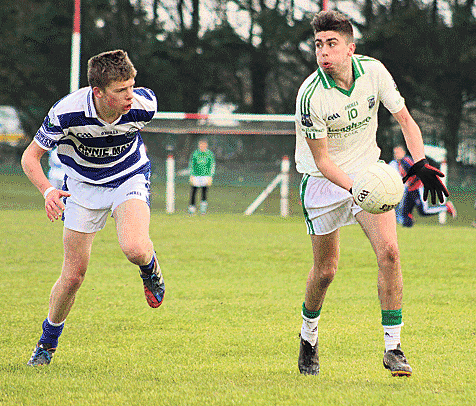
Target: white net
248, 148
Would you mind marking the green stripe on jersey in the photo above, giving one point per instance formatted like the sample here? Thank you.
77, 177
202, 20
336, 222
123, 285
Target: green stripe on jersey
302, 193
358, 68
307, 94
327, 80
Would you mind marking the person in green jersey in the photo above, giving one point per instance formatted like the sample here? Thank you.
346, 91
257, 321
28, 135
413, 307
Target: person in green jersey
336, 125
202, 169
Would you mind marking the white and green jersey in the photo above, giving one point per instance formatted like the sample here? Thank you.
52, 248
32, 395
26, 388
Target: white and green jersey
348, 118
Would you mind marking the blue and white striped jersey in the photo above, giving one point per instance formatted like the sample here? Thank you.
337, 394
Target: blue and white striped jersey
92, 150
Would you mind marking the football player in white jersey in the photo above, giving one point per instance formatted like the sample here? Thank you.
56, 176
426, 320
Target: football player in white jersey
336, 124
96, 130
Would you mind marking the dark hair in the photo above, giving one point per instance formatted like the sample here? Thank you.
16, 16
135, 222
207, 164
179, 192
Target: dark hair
333, 21
110, 67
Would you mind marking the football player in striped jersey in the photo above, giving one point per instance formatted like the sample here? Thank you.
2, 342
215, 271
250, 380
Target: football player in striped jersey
96, 130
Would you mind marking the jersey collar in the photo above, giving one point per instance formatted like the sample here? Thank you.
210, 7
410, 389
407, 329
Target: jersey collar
329, 83
90, 109
91, 112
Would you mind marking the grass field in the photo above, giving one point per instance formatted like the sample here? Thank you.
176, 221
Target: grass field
227, 333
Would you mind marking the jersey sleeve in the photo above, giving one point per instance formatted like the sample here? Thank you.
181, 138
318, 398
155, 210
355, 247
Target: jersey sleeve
312, 126
389, 94
50, 131
145, 104
309, 124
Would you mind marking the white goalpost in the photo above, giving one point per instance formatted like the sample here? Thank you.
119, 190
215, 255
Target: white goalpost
75, 47
176, 123
170, 184
281, 179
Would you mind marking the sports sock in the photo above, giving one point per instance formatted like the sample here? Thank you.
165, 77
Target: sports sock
391, 336
310, 321
392, 325
147, 269
51, 333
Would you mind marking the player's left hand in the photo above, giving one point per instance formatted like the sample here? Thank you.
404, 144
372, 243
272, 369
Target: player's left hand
209, 181
430, 177
54, 203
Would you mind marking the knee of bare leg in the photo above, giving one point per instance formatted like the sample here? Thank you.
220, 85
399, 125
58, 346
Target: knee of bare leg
325, 273
73, 282
138, 254
389, 256
328, 275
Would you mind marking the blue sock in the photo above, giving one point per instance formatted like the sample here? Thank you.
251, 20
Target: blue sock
149, 267
51, 333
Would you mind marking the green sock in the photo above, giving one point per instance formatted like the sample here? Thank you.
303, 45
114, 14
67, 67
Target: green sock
308, 314
391, 317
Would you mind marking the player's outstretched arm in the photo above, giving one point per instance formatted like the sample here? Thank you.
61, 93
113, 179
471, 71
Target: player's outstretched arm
32, 167
430, 177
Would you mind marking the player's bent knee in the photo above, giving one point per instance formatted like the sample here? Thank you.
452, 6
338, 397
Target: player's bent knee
388, 256
73, 282
138, 254
325, 274
328, 276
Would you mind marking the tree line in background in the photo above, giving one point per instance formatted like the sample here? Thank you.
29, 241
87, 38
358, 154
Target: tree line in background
251, 53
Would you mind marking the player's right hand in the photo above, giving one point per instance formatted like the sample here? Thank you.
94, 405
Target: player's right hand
54, 205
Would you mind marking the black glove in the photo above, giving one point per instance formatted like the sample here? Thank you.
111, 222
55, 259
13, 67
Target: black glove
430, 178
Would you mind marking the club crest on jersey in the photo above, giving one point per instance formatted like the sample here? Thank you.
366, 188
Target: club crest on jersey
371, 101
306, 120
131, 133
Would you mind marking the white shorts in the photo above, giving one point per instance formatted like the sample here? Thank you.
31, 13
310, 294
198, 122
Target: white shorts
200, 181
56, 177
88, 206
326, 206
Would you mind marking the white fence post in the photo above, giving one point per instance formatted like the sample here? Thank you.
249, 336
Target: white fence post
283, 179
170, 184
284, 206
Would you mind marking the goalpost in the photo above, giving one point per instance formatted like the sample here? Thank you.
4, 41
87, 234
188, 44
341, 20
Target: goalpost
173, 123
265, 126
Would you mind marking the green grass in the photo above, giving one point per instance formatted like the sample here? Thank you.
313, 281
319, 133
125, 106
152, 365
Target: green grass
17, 193
227, 333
